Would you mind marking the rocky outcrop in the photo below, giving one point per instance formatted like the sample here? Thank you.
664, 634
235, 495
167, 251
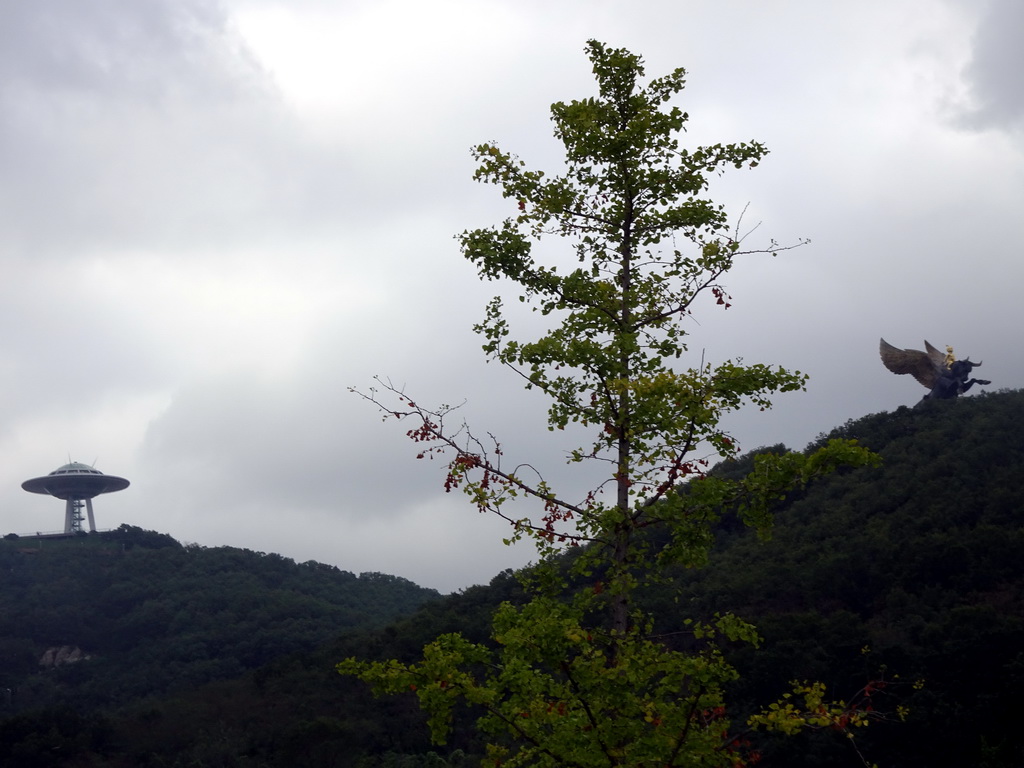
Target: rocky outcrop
64, 654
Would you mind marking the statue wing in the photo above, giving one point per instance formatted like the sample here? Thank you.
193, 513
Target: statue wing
938, 358
921, 365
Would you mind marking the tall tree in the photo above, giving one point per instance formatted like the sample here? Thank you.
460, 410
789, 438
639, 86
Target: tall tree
575, 676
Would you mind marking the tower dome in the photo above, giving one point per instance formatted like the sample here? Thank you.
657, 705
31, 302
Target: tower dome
76, 483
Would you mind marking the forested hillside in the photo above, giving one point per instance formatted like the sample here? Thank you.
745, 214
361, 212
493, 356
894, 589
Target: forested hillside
911, 571
101, 619
915, 567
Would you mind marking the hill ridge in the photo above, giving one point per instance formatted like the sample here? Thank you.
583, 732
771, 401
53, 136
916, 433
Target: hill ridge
913, 569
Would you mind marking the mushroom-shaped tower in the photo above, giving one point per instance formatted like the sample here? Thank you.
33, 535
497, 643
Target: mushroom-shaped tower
75, 483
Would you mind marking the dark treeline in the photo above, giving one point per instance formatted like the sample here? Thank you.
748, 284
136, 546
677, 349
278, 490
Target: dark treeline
912, 572
155, 617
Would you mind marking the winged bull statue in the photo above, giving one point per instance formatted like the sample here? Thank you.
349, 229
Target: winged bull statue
943, 375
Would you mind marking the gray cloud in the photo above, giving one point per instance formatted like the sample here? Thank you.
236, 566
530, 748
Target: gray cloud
993, 74
215, 219
142, 127
145, 51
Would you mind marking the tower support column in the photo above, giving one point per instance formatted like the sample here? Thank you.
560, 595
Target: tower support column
69, 516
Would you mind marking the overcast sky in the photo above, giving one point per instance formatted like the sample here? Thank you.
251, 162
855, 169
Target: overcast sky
216, 217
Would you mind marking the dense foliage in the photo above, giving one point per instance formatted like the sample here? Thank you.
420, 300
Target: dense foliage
912, 572
918, 565
155, 617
